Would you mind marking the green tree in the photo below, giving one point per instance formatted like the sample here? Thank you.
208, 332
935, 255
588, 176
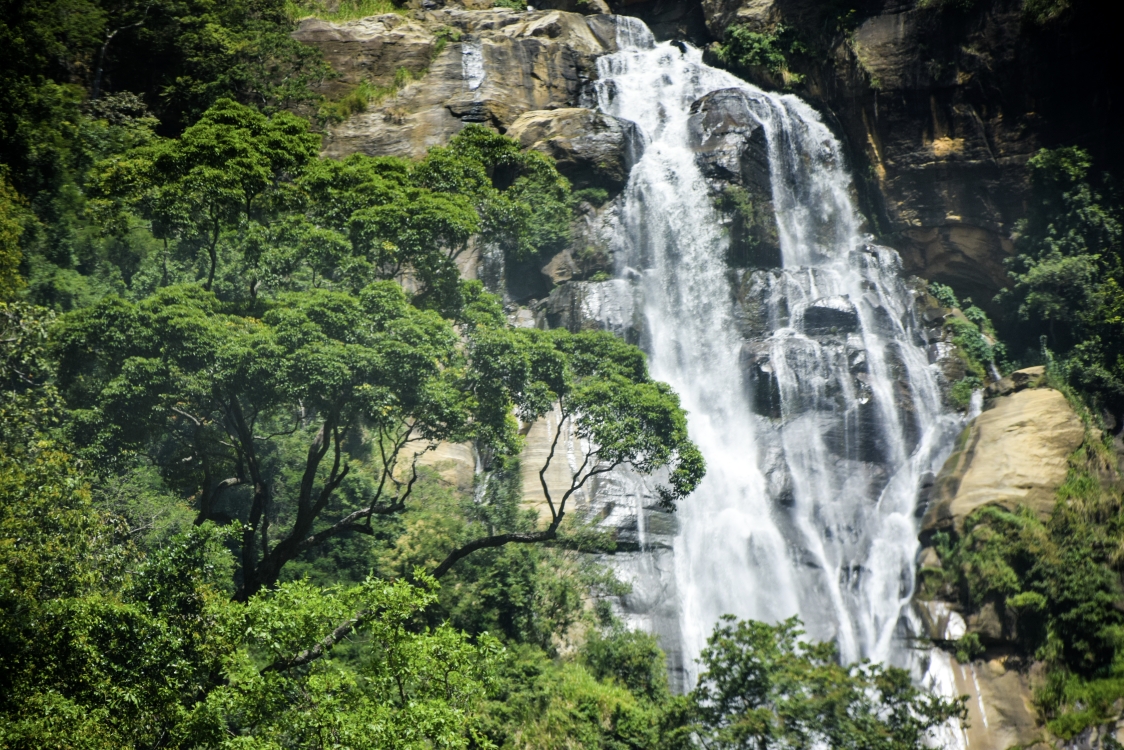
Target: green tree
11, 283
29, 404
763, 686
1068, 274
102, 646
407, 687
219, 176
195, 388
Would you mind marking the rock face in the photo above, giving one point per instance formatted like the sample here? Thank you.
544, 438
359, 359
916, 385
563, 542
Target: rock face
732, 152
941, 105
1014, 453
729, 140
757, 15
1001, 711
486, 66
589, 148
370, 49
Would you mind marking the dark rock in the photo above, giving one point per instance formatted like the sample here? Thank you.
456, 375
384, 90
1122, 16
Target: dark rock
729, 140
590, 148
584, 306
831, 315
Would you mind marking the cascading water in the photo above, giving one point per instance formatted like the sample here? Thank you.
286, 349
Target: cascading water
809, 390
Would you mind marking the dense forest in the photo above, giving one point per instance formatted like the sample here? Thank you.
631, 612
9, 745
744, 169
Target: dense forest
223, 359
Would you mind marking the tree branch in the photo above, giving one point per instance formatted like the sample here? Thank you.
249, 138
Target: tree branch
321, 648
489, 542
549, 458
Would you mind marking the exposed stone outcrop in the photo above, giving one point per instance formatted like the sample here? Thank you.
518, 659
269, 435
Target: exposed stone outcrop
573, 6
1001, 711
583, 305
729, 140
1014, 453
589, 148
757, 15
488, 66
369, 49
454, 463
732, 152
941, 104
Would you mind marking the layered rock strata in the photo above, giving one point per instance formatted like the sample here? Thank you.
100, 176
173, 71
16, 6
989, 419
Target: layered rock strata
485, 66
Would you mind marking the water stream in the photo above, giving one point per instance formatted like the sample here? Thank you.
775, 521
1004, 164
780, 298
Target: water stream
809, 388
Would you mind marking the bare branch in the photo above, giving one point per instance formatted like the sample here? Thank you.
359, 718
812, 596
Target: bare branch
196, 420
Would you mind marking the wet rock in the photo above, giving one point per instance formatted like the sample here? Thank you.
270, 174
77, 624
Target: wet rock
1015, 453
729, 141
585, 305
941, 622
762, 380
590, 148
831, 315
1001, 712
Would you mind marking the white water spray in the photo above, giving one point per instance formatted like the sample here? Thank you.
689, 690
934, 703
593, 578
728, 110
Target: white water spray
808, 508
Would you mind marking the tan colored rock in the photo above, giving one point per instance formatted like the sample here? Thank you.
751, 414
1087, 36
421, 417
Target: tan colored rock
589, 148
370, 49
1001, 711
529, 61
455, 463
561, 268
1015, 453
573, 6
568, 456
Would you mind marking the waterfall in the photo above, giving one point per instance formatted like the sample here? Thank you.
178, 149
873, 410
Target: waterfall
808, 384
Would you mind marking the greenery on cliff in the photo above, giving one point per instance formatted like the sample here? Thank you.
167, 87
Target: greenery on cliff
1051, 590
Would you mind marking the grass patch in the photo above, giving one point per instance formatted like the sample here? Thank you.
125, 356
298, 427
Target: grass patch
363, 96
345, 10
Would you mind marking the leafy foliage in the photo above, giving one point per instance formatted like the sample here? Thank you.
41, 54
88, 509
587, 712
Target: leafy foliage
1054, 589
1068, 274
744, 49
764, 687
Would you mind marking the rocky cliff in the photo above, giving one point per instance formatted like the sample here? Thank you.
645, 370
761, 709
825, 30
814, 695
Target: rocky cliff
940, 104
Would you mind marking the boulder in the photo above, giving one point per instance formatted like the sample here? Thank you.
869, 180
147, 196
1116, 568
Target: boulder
729, 141
1015, 453
590, 148
587, 305
561, 268
493, 66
